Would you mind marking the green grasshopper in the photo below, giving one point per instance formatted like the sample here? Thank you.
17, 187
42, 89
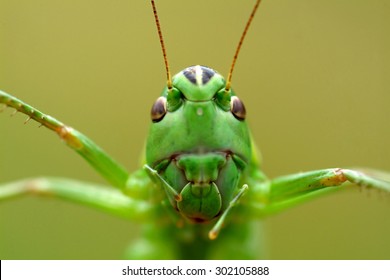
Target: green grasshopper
180, 194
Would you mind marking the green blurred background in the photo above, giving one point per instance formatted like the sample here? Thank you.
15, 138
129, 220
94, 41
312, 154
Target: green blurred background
314, 76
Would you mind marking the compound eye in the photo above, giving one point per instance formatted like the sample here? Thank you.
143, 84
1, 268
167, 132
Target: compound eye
237, 108
159, 109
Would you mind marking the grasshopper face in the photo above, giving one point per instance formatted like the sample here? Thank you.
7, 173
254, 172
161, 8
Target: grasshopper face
199, 142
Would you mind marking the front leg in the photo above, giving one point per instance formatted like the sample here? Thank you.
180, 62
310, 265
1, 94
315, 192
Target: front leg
112, 171
287, 191
136, 208
100, 197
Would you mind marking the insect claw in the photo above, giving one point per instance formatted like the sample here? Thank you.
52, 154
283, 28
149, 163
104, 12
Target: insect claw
178, 197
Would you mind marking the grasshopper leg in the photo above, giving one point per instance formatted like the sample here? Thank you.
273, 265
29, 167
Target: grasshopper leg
287, 191
103, 198
92, 153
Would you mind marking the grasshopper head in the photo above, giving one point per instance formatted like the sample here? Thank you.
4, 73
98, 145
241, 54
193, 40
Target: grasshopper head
199, 142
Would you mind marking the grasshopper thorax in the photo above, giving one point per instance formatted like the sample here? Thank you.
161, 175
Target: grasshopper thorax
199, 143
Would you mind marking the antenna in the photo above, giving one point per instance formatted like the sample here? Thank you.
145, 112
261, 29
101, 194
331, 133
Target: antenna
169, 79
229, 77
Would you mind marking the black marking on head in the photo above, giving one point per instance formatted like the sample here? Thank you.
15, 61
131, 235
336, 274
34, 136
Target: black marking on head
199, 75
190, 74
207, 74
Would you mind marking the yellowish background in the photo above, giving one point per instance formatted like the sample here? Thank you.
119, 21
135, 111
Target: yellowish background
314, 76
